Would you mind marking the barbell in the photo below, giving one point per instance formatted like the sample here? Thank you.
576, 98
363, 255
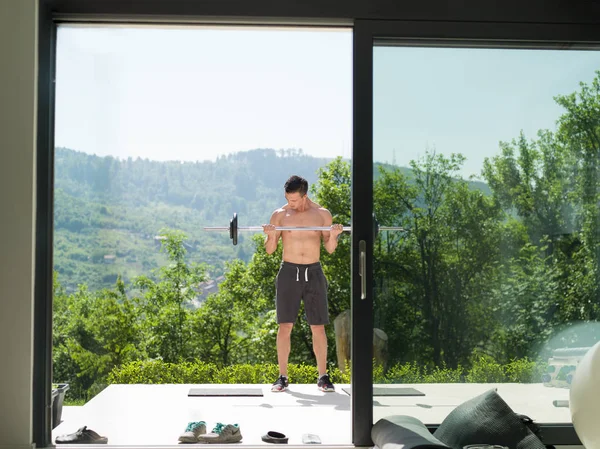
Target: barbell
233, 228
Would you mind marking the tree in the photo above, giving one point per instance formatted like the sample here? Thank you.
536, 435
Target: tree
579, 128
166, 301
535, 179
445, 260
227, 320
397, 302
93, 333
549, 188
333, 192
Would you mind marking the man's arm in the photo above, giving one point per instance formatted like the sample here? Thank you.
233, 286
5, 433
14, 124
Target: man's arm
272, 235
330, 238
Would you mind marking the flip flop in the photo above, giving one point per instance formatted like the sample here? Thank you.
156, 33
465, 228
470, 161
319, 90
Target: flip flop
311, 438
274, 437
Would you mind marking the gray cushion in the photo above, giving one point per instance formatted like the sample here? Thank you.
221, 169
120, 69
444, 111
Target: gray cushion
486, 419
403, 432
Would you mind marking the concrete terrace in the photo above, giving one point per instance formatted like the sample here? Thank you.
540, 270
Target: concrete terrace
155, 415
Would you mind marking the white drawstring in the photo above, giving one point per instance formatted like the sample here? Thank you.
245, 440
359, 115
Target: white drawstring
298, 274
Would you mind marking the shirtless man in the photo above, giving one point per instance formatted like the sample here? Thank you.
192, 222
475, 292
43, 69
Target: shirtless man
300, 275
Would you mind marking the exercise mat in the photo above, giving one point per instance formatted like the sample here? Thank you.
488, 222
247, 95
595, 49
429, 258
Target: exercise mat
391, 391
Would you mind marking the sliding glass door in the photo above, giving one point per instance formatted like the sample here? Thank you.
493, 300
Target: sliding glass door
479, 148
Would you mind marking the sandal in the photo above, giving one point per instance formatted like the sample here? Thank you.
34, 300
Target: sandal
274, 437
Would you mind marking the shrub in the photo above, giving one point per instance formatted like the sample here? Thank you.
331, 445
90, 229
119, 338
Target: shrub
159, 372
524, 371
443, 375
247, 374
485, 369
407, 373
378, 373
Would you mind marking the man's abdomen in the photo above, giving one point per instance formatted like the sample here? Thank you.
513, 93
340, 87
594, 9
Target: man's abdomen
301, 249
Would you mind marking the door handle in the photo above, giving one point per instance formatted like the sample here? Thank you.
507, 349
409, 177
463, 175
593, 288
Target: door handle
362, 268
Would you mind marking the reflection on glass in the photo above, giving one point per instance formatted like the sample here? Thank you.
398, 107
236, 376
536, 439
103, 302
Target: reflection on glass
489, 158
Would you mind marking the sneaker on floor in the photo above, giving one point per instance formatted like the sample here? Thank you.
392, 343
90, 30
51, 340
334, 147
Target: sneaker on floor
82, 436
222, 434
324, 383
280, 384
192, 432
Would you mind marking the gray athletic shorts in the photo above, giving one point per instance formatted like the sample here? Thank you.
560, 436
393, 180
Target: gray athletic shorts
297, 282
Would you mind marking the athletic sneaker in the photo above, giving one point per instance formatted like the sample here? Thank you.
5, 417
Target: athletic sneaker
324, 383
280, 384
222, 434
192, 432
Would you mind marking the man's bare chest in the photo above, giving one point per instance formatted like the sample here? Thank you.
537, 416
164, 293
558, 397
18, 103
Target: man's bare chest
309, 218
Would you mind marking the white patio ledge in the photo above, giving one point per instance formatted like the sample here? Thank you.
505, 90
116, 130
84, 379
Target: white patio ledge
155, 415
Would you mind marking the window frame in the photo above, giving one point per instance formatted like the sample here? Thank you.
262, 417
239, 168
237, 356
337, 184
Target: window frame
533, 24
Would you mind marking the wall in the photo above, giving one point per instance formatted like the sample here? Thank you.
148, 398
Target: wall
18, 43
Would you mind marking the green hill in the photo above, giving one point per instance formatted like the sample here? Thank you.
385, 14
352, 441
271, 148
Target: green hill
108, 211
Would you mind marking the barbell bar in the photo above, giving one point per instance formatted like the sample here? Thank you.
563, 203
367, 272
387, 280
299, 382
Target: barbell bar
233, 228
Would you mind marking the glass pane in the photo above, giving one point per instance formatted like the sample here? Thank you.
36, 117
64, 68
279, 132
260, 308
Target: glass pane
161, 132
489, 160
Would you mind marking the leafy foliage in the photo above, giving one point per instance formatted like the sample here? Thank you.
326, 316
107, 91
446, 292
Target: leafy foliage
158, 372
483, 285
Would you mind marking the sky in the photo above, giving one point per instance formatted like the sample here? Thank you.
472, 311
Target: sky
197, 93
194, 94
468, 100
